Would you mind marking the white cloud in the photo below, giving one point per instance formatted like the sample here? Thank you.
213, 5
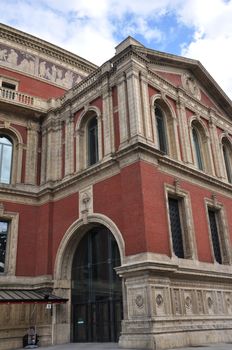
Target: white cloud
93, 28
213, 38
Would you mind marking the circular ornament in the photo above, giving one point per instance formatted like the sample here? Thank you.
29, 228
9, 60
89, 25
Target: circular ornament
159, 300
188, 302
139, 300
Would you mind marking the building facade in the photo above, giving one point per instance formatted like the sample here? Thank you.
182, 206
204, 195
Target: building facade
115, 195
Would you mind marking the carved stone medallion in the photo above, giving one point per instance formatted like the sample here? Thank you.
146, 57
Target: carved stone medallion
139, 300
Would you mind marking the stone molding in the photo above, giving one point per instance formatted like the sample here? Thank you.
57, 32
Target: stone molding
70, 240
9, 34
12, 241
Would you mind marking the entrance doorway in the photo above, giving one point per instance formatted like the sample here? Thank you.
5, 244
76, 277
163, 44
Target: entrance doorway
96, 288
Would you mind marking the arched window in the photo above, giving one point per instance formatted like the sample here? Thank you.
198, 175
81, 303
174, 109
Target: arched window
197, 148
6, 151
227, 154
161, 130
92, 139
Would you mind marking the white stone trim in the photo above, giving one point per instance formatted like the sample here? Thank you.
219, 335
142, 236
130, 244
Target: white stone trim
187, 225
12, 241
204, 139
81, 136
170, 124
68, 245
222, 227
224, 136
16, 172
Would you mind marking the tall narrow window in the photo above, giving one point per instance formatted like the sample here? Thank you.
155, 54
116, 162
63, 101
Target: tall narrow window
6, 148
176, 228
197, 148
161, 132
227, 159
3, 241
92, 141
215, 234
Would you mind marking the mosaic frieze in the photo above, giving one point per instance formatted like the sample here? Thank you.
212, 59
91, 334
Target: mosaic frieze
34, 65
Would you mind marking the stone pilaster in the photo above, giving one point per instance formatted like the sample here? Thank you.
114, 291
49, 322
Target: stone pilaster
123, 110
184, 130
134, 104
32, 153
69, 151
145, 107
218, 164
44, 155
57, 152
108, 127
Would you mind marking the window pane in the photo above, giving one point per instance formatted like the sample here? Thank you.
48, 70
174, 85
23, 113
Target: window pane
214, 235
176, 229
227, 160
93, 141
5, 160
161, 130
3, 240
197, 149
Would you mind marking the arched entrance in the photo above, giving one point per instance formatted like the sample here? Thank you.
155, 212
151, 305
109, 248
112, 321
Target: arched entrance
96, 288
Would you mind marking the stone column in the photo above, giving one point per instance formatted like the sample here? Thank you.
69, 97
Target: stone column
44, 155
32, 153
57, 151
218, 164
134, 104
69, 150
108, 127
123, 111
184, 130
49, 160
146, 107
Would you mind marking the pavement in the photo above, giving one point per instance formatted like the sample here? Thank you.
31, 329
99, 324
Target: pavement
114, 346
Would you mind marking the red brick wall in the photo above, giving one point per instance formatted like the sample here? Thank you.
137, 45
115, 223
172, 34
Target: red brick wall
32, 86
134, 200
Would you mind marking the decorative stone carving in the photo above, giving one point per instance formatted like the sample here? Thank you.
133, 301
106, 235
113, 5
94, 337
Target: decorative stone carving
139, 301
210, 302
159, 300
228, 303
176, 302
188, 302
86, 203
190, 85
220, 303
6, 124
200, 302
177, 185
136, 302
32, 64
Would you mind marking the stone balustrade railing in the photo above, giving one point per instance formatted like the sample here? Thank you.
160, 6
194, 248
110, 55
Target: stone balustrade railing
23, 99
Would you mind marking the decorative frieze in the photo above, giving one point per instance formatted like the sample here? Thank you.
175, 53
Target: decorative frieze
26, 62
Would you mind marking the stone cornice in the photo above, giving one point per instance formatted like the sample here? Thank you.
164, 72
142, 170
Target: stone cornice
152, 263
54, 190
198, 70
16, 36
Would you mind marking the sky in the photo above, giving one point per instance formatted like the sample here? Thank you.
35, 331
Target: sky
199, 29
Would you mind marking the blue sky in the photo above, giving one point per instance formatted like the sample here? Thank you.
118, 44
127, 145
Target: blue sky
200, 29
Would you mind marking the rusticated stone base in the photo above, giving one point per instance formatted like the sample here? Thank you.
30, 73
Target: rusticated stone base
175, 340
172, 303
